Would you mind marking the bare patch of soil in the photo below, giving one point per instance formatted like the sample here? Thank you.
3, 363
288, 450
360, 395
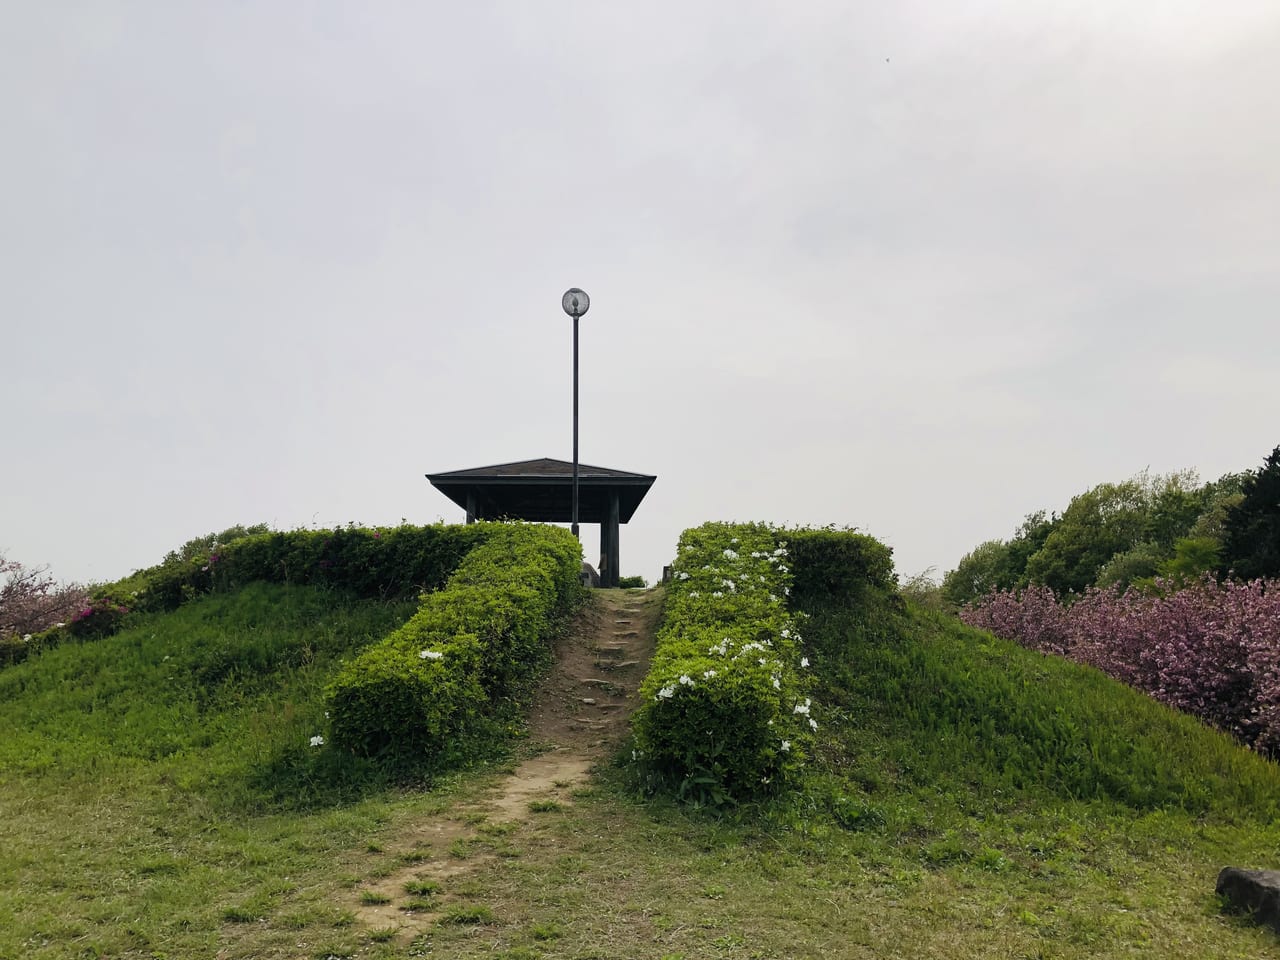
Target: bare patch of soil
579, 716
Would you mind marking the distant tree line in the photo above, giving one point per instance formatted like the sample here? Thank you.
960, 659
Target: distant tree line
1130, 533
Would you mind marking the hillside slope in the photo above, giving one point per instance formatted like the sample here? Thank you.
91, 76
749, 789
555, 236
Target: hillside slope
159, 797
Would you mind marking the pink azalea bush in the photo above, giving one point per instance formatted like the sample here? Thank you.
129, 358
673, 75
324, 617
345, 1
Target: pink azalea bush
1211, 649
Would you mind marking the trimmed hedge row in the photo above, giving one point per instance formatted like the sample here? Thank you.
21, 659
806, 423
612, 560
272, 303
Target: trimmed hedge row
390, 563
723, 715
835, 566
471, 651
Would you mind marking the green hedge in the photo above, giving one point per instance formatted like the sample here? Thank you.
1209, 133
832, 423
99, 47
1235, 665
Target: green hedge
723, 715
415, 699
835, 566
388, 563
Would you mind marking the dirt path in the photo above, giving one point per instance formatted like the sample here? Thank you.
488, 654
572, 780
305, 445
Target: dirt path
580, 714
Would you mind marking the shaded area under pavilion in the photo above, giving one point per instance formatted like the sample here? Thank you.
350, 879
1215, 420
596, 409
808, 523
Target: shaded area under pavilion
542, 491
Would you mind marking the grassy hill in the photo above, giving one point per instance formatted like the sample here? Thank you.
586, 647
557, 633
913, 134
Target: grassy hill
159, 797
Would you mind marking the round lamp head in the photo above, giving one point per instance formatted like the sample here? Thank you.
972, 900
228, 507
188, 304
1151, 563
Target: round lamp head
575, 302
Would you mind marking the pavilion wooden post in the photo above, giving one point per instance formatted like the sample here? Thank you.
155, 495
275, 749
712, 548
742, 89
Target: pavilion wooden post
471, 507
614, 553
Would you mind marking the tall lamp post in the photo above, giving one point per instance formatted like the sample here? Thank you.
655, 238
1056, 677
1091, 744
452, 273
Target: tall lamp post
575, 303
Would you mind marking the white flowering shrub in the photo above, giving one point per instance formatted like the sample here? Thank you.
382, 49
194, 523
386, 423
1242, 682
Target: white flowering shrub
414, 699
724, 714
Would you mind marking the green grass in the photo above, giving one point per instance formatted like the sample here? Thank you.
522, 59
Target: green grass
159, 785
969, 799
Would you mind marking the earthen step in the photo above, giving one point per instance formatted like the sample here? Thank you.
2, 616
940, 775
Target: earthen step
616, 664
622, 623
625, 634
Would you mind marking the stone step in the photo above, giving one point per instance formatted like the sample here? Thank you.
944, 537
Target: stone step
611, 652
616, 664
622, 623
625, 634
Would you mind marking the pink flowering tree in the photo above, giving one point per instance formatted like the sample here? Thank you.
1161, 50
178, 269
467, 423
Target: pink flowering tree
32, 601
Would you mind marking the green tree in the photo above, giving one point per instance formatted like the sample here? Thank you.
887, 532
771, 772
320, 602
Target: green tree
1251, 541
1139, 562
1192, 558
1109, 519
1176, 501
978, 573
1026, 542
997, 564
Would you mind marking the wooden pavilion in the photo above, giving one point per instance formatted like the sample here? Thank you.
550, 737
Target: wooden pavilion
542, 491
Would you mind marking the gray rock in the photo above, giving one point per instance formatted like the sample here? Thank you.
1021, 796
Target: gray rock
1254, 891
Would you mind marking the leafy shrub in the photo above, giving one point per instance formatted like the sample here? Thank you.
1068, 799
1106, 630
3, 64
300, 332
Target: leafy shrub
632, 583
101, 616
723, 714
416, 699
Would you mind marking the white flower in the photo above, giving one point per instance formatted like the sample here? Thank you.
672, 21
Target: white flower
682, 575
326, 714
317, 741
813, 723
786, 746
777, 685
731, 555
26, 637
708, 674
685, 680
717, 594
762, 661
430, 655
802, 708
59, 624
785, 633
666, 693
804, 661
694, 593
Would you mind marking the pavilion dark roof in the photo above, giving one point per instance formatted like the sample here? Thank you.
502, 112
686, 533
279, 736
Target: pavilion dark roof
541, 490
545, 468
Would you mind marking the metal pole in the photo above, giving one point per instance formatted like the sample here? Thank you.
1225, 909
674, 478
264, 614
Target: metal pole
575, 426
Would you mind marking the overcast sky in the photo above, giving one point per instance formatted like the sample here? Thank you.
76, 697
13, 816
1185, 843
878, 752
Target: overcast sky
916, 267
